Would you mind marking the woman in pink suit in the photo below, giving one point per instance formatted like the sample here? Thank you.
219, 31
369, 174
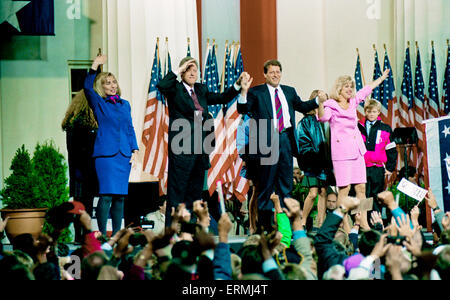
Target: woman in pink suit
347, 146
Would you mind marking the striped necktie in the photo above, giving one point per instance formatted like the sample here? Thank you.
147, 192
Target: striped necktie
279, 112
195, 99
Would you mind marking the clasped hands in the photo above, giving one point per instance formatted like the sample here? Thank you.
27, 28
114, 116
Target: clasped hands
322, 96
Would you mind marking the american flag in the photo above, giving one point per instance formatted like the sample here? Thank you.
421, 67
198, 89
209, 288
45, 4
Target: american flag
230, 150
238, 65
438, 159
156, 126
167, 60
232, 119
359, 85
388, 98
433, 98
226, 164
218, 158
419, 101
445, 106
406, 114
377, 93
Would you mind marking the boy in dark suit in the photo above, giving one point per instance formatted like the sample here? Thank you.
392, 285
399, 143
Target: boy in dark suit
381, 155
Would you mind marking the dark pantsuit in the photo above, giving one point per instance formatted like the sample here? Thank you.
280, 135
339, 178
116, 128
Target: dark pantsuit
186, 172
185, 182
277, 177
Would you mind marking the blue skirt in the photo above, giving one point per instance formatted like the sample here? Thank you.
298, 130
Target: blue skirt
113, 173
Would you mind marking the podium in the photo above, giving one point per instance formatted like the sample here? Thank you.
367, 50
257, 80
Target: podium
142, 199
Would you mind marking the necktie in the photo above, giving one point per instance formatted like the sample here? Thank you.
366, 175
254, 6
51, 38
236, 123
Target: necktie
279, 112
196, 103
369, 126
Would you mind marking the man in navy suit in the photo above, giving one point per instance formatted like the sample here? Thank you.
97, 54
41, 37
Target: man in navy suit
272, 134
188, 112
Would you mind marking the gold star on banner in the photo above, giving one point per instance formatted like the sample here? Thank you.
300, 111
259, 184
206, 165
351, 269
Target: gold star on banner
8, 10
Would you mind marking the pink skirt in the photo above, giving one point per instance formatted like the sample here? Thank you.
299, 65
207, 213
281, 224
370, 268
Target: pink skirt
350, 171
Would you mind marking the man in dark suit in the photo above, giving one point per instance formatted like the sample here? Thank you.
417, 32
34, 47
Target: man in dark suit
189, 143
272, 136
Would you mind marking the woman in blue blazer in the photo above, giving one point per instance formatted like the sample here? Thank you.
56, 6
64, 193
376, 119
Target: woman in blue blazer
115, 148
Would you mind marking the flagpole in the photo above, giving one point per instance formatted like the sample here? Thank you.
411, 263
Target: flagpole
427, 178
375, 53
222, 79
157, 52
166, 57
360, 67
189, 46
425, 166
206, 57
236, 50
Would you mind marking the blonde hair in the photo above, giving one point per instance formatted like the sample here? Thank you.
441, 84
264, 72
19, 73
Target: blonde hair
371, 104
100, 80
79, 106
339, 84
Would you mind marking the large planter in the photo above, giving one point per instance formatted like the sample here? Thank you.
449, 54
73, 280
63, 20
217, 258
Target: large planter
27, 220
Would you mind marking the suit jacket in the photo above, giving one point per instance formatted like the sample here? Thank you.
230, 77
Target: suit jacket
259, 105
346, 140
182, 111
380, 150
115, 128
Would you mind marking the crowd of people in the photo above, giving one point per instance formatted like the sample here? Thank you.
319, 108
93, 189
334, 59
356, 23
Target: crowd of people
353, 238
393, 250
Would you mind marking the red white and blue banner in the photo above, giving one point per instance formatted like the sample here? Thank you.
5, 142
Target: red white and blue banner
31, 17
437, 134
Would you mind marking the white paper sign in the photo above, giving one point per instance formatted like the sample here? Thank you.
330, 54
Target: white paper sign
412, 190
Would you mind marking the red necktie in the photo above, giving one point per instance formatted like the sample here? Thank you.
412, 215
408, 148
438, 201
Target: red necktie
279, 112
196, 103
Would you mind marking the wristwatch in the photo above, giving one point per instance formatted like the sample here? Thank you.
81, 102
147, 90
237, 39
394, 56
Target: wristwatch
436, 208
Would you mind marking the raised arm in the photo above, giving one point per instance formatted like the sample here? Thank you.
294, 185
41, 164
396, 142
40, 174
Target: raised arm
98, 60
379, 80
90, 78
284, 227
304, 106
222, 252
323, 115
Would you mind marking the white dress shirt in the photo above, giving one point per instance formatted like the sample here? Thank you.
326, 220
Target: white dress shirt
284, 107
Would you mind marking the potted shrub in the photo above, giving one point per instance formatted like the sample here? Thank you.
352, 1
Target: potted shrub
51, 182
35, 184
25, 211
